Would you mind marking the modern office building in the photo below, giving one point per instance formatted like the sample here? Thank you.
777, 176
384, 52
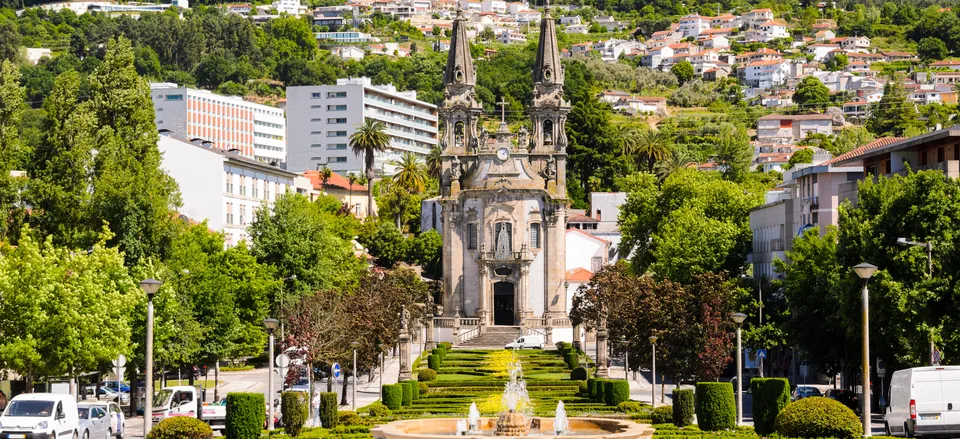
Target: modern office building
229, 122
322, 118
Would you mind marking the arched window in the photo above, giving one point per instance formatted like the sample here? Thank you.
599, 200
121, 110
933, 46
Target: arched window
548, 132
458, 133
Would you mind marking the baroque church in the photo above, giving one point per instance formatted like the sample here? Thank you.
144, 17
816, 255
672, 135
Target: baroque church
503, 195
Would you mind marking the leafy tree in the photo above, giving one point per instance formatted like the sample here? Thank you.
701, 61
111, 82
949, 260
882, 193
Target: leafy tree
9, 40
837, 62
387, 245
733, 151
894, 114
811, 94
683, 70
434, 162
369, 139
653, 146
675, 162
426, 250
146, 62
11, 109
932, 49
694, 93
804, 155
849, 139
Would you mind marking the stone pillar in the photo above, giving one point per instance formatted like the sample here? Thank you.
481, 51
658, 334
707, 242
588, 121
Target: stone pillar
405, 372
554, 295
602, 371
452, 255
548, 327
482, 313
456, 326
524, 296
576, 338
430, 343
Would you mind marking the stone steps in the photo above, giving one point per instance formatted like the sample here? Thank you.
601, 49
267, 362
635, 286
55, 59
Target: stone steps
495, 336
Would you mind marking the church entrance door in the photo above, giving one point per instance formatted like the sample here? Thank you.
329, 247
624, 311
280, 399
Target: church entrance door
503, 304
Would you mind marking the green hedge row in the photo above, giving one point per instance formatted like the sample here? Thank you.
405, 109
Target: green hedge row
683, 407
245, 415
770, 396
615, 392
716, 409
329, 416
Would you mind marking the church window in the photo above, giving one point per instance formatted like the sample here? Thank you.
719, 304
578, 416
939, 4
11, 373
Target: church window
472, 236
503, 240
535, 235
548, 132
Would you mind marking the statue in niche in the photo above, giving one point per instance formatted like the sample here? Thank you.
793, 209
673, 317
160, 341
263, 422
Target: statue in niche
455, 169
522, 137
503, 244
458, 134
551, 171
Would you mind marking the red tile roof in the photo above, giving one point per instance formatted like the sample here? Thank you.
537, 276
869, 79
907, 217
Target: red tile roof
881, 142
336, 181
579, 275
581, 218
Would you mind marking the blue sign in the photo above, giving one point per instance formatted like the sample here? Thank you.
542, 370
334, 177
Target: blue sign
761, 353
336, 370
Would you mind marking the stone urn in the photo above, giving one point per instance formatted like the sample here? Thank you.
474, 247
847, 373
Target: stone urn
512, 424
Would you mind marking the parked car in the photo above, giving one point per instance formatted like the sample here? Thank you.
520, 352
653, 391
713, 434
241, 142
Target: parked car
182, 401
32, 415
845, 397
116, 420
805, 392
924, 402
527, 342
93, 421
112, 385
302, 385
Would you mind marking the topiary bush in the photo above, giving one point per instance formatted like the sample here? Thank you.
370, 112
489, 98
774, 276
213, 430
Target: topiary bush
392, 396
770, 396
422, 388
245, 415
630, 407
572, 360
407, 398
662, 415
181, 427
447, 346
433, 362
349, 417
596, 389
584, 390
328, 410
293, 411
716, 409
615, 392
818, 417
578, 374
683, 407
440, 353
378, 410
426, 375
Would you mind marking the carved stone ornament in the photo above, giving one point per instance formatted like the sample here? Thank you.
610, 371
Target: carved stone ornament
455, 171
551, 172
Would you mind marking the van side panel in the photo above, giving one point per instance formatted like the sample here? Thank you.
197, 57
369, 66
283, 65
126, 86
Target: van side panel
899, 401
950, 384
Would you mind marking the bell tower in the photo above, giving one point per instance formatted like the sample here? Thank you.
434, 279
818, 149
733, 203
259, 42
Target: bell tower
548, 111
460, 111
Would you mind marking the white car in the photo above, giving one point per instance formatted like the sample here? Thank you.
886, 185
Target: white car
115, 419
924, 402
94, 423
527, 342
33, 415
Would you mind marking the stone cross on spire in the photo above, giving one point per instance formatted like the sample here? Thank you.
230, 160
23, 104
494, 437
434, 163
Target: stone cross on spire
503, 109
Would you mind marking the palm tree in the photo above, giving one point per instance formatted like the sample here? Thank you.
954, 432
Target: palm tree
411, 178
351, 179
434, 162
653, 145
369, 139
676, 161
325, 174
628, 139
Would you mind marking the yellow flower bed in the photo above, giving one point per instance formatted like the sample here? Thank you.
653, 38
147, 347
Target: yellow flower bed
499, 362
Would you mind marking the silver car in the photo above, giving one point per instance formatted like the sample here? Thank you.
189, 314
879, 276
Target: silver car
116, 419
94, 422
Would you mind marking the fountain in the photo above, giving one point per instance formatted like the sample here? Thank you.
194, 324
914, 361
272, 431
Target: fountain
560, 422
461, 427
474, 418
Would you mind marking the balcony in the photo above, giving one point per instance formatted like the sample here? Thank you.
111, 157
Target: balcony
520, 256
950, 168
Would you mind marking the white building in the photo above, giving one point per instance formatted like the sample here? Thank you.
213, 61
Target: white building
756, 17
257, 131
780, 128
34, 54
691, 25
766, 74
346, 37
291, 7
111, 7
568, 20
497, 6
322, 118
773, 230
512, 37
222, 187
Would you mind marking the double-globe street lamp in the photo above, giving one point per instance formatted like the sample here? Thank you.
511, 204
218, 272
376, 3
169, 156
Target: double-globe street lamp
271, 325
150, 286
738, 318
865, 272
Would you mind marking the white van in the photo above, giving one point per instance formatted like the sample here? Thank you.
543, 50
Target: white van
527, 342
924, 401
40, 415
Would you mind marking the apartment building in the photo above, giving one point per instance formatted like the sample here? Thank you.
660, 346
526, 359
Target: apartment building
773, 229
256, 131
780, 128
322, 118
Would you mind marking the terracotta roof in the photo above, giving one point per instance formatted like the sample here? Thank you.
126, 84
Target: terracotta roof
719, 30
579, 275
581, 218
946, 62
761, 10
856, 103
769, 62
881, 142
773, 23
336, 181
797, 117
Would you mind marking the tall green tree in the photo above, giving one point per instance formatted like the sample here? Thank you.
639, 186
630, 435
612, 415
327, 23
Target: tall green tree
683, 70
369, 139
811, 95
11, 109
894, 114
932, 49
411, 177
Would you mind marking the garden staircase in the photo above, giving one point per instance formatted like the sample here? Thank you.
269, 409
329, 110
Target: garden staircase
494, 337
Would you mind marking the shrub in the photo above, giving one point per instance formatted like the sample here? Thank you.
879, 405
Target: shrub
572, 360
615, 392
348, 417
181, 427
392, 396
578, 374
328, 410
716, 409
427, 375
662, 415
433, 362
447, 346
407, 395
378, 410
683, 407
440, 353
422, 388
818, 417
770, 396
293, 411
630, 407
584, 390
245, 415
596, 389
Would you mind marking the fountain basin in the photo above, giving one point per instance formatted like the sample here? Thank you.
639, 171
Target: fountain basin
444, 428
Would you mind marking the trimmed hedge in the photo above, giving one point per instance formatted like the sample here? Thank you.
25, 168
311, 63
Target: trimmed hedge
596, 389
578, 374
630, 407
716, 408
447, 346
392, 396
349, 418
181, 427
245, 415
422, 388
440, 353
293, 411
818, 417
582, 389
572, 360
329, 417
378, 410
770, 396
615, 392
427, 375
683, 407
433, 362
662, 415
407, 398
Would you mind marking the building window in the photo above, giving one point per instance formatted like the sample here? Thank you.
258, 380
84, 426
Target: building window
923, 158
535, 235
336, 108
336, 146
336, 94
316, 145
941, 155
472, 237
243, 215
316, 95
336, 134
173, 97
255, 191
243, 185
336, 120
338, 159
596, 263
229, 182
229, 213
266, 191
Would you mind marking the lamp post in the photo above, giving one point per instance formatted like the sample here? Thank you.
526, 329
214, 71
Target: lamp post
626, 359
865, 272
383, 350
271, 325
653, 371
738, 318
150, 286
354, 345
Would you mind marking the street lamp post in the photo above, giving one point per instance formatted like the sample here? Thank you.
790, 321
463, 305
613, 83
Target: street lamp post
383, 349
354, 345
738, 318
865, 272
653, 371
626, 359
271, 325
150, 286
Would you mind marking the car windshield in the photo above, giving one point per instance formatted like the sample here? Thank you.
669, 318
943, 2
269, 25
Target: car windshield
83, 412
163, 398
30, 408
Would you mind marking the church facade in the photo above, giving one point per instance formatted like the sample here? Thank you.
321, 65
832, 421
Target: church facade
503, 196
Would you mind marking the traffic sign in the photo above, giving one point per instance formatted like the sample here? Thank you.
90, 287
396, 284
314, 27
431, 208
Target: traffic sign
119, 361
936, 357
336, 370
881, 369
761, 353
282, 361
